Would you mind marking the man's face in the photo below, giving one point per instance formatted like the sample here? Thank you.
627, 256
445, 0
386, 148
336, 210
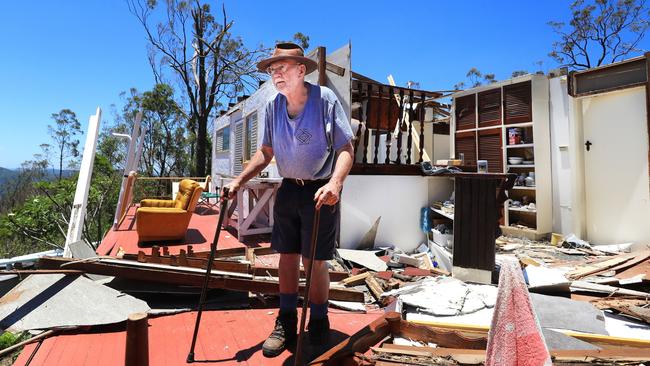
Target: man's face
287, 75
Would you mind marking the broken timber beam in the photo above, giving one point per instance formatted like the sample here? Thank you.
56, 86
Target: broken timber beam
183, 276
234, 252
220, 265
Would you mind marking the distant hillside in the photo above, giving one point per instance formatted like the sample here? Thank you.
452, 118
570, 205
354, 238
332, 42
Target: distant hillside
6, 174
51, 174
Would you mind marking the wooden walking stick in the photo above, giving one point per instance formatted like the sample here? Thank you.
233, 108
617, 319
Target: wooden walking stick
303, 315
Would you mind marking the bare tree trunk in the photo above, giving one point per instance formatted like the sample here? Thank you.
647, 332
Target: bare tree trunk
201, 144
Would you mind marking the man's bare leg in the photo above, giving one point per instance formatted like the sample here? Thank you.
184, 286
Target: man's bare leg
289, 272
318, 326
320, 281
284, 332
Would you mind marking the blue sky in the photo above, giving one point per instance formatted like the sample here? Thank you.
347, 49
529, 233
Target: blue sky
80, 54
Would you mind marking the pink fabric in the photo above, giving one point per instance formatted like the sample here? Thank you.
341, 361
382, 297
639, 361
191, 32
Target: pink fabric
515, 336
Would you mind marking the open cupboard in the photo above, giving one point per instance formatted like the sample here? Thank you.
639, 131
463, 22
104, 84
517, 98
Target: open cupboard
507, 124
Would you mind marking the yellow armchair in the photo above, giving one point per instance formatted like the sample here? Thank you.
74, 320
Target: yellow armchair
168, 219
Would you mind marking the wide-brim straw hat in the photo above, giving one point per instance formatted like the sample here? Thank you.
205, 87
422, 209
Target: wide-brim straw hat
288, 51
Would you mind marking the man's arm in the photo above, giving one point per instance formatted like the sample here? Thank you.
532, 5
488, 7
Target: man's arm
259, 161
330, 193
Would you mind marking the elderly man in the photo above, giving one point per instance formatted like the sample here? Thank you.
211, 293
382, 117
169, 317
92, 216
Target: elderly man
307, 131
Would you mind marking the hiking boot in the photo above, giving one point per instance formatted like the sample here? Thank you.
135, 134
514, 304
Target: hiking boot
284, 334
319, 331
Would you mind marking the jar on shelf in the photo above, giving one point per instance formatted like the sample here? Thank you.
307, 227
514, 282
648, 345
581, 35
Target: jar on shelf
530, 179
514, 136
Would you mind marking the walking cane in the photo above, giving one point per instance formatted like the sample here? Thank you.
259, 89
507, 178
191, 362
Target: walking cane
303, 315
213, 249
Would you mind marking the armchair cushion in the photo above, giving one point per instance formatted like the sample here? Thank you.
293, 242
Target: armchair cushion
157, 203
184, 195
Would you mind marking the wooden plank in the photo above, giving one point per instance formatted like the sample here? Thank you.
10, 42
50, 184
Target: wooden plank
374, 286
41, 271
185, 276
227, 266
221, 265
274, 272
450, 338
594, 268
360, 341
356, 279
235, 252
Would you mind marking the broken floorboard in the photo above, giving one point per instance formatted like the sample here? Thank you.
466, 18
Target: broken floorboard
183, 276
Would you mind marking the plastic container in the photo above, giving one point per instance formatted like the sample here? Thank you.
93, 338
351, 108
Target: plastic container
444, 240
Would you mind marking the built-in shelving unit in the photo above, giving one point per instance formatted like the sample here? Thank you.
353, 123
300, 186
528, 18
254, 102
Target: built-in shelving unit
505, 120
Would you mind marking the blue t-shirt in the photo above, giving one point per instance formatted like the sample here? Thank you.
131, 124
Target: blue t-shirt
305, 146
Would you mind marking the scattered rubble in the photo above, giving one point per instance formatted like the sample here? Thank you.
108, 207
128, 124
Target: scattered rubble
589, 303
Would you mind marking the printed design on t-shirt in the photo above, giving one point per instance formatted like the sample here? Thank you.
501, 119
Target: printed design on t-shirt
303, 136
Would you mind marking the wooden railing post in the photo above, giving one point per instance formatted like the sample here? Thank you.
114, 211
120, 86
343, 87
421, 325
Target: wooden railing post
389, 133
422, 130
399, 127
367, 132
361, 123
409, 143
378, 108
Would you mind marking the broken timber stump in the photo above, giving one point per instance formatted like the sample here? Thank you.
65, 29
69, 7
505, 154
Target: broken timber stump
137, 340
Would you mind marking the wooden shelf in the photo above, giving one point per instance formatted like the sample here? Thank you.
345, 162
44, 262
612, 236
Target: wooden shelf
519, 146
525, 124
524, 188
521, 166
442, 213
525, 210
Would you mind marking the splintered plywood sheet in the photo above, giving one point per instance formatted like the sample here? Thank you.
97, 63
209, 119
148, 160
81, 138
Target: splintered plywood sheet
56, 300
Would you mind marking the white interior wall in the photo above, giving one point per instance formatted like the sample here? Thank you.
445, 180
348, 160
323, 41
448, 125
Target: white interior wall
397, 199
560, 159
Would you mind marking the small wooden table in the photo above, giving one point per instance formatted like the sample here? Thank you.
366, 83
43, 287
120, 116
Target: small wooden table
253, 206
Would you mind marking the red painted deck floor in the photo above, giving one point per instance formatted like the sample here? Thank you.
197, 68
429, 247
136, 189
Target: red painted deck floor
232, 337
200, 233
227, 337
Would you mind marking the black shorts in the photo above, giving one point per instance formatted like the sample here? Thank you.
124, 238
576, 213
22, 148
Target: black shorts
293, 217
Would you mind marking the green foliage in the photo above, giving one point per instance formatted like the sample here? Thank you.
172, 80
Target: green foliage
166, 145
475, 78
302, 40
599, 32
63, 132
8, 339
518, 73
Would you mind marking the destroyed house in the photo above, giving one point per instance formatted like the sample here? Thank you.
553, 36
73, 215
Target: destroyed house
506, 301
